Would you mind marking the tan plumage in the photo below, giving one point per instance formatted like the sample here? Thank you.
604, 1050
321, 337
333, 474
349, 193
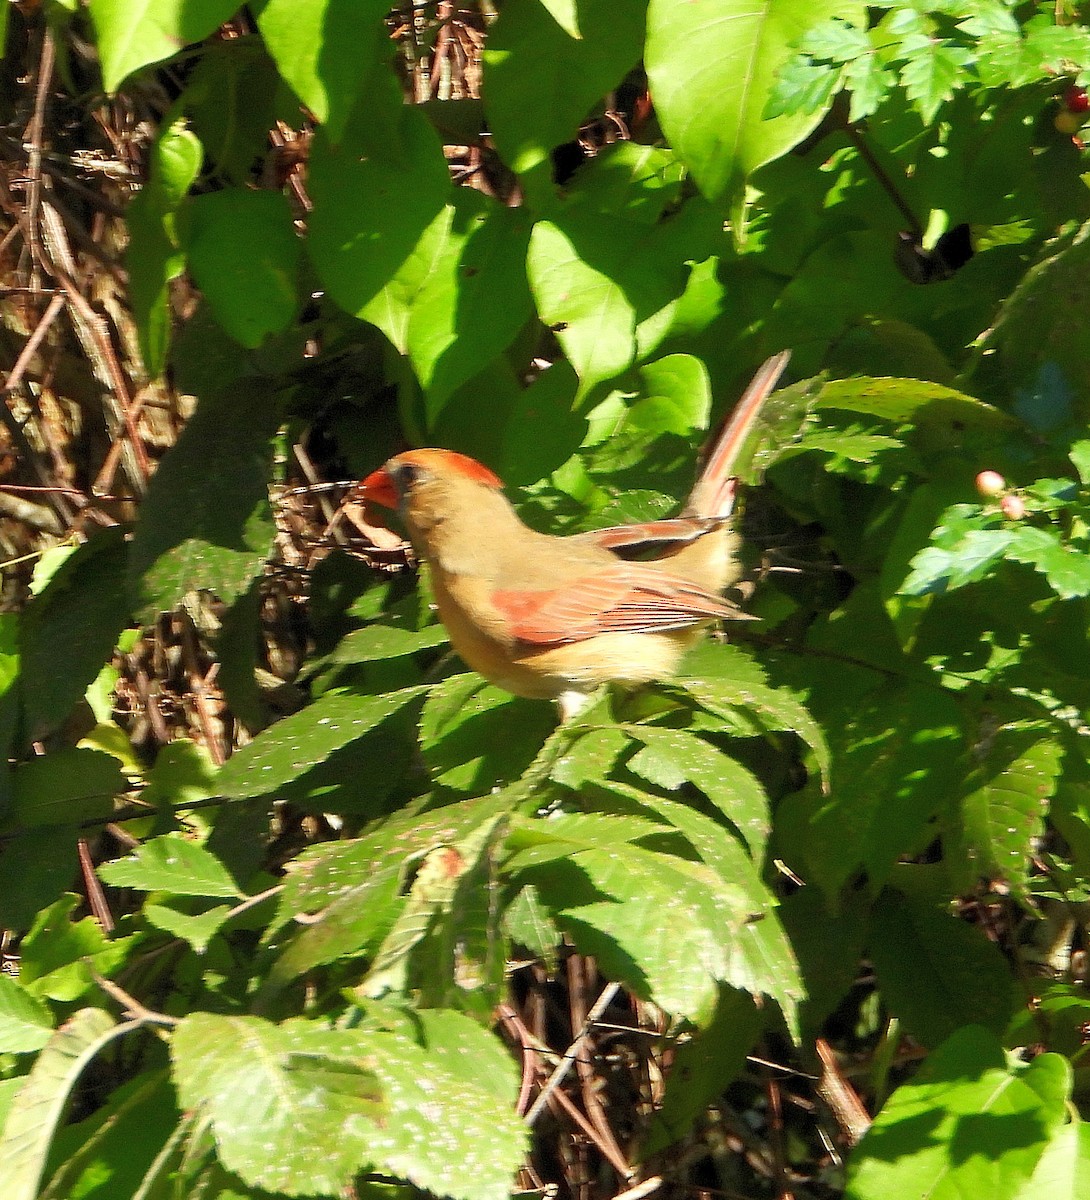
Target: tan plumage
554, 617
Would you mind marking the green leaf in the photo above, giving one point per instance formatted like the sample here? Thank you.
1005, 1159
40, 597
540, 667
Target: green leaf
65, 787
292, 746
36, 867
58, 955
670, 929
737, 689
542, 432
967, 1125
1063, 1172
112, 1152
605, 286
326, 50
380, 641
917, 400
244, 256
474, 298
896, 755
676, 395
154, 255
1002, 817
206, 522
135, 33
274, 1093
938, 973
632, 181
375, 195
445, 949
1066, 569
183, 772
672, 757
474, 736
198, 929
714, 116
931, 72
171, 864
39, 1106
25, 1022
352, 888
541, 78
83, 609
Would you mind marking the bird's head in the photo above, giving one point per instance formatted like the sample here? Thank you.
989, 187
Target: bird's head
430, 488
404, 476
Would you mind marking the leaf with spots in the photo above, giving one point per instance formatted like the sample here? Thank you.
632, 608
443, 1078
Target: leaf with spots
1002, 816
172, 864
301, 1110
299, 742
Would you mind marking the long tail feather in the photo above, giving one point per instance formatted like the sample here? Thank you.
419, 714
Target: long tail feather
713, 493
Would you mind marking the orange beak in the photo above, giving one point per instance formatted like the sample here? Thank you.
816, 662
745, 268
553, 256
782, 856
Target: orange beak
378, 488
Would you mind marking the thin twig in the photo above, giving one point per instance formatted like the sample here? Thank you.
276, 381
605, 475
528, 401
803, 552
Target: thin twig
34, 155
131, 1005
558, 1076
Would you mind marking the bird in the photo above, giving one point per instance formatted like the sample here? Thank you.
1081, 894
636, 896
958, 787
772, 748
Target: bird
554, 617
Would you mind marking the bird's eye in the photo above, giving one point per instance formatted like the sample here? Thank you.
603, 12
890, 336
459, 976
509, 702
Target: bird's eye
406, 474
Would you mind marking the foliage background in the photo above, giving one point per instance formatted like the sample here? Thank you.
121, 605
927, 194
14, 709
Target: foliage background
297, 907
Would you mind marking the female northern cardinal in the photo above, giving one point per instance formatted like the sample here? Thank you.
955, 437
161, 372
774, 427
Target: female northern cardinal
554, 617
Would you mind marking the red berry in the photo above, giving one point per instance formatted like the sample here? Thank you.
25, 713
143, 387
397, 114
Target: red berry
1014, 507
1076, 100
990, 483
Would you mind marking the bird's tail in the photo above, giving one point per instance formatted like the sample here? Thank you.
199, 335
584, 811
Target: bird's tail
714, 490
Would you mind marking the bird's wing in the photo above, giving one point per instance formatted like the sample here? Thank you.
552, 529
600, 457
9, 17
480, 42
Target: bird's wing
670, 533
627, 598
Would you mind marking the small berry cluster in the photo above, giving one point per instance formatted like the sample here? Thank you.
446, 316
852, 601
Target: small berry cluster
991, 485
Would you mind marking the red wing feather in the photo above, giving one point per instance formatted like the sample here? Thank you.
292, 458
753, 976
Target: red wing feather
624, 599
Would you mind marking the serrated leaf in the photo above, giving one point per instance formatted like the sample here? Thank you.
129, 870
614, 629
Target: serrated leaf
25, 1022
58, 955
380, 641
244, 255
1066, 569
135, 33
206, 520
39, 1106
198, 929
445, 947
673, 756
896, 754
475, 736
704, 1066
292, 746
353, 887
714, 117
669, 928
740, 689
272, 1092
1003, 814
171, 864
